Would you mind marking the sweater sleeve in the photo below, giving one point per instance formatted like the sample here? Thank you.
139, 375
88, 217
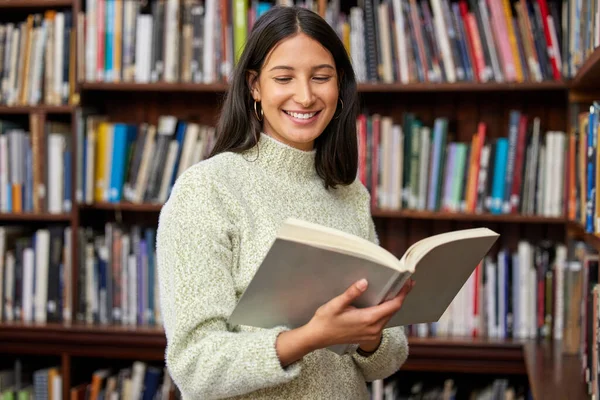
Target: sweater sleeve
195, 252
393, 349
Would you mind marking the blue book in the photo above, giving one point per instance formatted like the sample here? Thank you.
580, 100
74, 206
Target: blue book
123, 135
180, 138
262, 8
499, 175
109, 39
591, 169
439, 146
150, 240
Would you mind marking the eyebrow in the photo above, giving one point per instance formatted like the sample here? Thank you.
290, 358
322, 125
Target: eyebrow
287, 67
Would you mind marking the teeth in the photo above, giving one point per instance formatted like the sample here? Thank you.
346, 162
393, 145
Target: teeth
300, 115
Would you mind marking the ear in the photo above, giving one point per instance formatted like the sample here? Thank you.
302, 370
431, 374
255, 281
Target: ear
253, 84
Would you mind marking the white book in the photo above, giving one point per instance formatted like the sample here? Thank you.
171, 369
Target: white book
9, 286
559, 273
12, 80
42, 259
441, 31
132, 281
143, 174
209, 41
329, 261
57, 387
91, 41
143, 48
4, 181
56, 143
171, 40
386, 43
401, 42
28, 277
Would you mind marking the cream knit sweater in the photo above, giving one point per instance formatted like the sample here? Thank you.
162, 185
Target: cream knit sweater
213, 232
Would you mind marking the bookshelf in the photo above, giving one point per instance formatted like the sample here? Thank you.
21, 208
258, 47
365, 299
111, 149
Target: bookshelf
465, 103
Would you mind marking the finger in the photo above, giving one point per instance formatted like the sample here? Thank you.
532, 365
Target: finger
388, 308
352, 293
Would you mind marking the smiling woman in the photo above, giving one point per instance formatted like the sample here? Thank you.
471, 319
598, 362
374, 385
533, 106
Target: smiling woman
286, 147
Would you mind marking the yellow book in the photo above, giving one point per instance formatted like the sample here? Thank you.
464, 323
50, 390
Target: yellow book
100, 162
346, 37
512, 39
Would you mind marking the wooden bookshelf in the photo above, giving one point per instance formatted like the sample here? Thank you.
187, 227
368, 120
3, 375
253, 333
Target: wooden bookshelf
66, 109
34, 4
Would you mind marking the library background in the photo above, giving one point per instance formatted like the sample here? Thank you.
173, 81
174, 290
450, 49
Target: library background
474, 113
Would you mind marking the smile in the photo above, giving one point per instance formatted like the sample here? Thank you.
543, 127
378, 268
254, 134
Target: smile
302, 116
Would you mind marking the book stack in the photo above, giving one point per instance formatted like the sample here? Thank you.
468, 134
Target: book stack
410, 165
159, 154
388, 41
37, 59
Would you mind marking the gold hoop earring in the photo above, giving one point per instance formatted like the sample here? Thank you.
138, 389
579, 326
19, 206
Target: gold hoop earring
341, 101
262, 114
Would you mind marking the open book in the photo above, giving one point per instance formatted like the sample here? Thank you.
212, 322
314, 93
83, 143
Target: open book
309, 264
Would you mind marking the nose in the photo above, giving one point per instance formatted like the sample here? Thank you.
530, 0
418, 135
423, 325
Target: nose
304, 94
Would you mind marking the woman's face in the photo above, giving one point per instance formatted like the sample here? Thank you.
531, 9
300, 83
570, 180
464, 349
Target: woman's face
298, 91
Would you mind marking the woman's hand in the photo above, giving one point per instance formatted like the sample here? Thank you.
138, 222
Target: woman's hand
338, 322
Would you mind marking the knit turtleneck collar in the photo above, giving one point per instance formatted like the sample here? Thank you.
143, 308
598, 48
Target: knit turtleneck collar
283, 159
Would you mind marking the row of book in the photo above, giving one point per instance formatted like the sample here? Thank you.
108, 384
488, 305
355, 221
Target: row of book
583, 202
35, 167
582, 33
388, 41
426, 388
117, 276
138, 381
37, 59
409, 165
136, 163
523, 293
452, 41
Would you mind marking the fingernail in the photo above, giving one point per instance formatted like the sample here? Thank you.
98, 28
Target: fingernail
362, 284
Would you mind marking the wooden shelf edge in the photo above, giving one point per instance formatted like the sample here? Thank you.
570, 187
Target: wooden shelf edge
63, 109
589, 70
34, 217
24, 4
362, 87
552, 374
579, 232
440, 215
133, 207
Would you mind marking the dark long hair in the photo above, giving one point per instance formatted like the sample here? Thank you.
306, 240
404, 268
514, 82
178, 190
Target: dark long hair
238, 129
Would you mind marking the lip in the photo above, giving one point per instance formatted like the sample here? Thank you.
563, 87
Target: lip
299, 121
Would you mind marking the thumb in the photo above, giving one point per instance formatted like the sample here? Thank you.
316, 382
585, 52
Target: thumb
352, 293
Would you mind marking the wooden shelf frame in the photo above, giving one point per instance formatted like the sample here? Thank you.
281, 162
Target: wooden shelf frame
35, 4
64, 109
588, 76
35, 217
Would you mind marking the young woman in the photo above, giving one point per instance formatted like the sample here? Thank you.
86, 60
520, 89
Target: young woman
286, 147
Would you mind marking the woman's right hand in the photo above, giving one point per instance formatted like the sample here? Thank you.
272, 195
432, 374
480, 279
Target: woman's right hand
338, 322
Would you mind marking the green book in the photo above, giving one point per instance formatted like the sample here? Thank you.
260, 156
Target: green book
240, 26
